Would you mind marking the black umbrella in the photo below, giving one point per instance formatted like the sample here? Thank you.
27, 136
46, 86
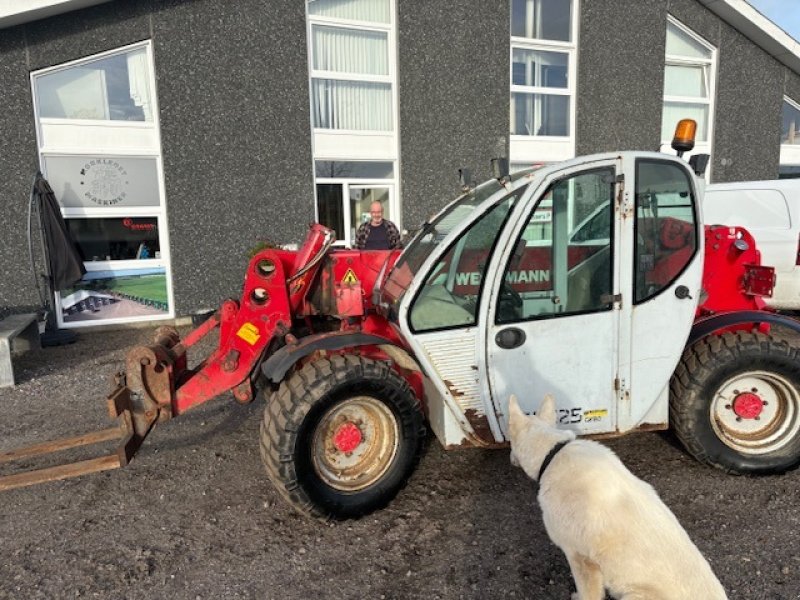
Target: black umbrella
63, 261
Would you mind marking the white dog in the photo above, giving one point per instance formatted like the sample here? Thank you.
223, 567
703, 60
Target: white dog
615, 530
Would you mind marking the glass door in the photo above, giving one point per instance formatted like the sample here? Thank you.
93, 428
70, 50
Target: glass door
361, 198
345, 191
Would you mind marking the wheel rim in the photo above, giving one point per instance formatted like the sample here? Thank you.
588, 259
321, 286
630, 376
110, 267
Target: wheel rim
354, 443
756, 412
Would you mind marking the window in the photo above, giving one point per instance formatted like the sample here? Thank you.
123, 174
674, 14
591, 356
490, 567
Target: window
116, 238
533, 112
115, 88
351, 70
541, 19
543, 63
451, 294
665, 226
345, 190
790, 139
689, 81
790, 123
595, 228
99, 147
555, 269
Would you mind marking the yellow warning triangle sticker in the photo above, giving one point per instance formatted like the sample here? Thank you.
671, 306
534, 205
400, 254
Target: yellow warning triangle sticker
349, 277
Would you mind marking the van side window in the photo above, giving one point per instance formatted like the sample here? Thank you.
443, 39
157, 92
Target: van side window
665, 226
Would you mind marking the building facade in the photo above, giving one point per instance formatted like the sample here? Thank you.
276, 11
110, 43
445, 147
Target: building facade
178, 134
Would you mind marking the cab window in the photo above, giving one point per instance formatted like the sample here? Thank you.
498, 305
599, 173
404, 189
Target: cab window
665, 226
450, 295
558, 267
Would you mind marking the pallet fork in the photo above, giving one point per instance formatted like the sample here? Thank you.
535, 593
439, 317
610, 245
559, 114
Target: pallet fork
119, 407
134, 404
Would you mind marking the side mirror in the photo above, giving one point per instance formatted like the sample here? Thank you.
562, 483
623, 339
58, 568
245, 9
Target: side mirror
500, 169
699, 163
465, 179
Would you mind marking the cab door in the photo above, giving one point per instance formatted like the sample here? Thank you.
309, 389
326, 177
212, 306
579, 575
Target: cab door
552, 325
661, 278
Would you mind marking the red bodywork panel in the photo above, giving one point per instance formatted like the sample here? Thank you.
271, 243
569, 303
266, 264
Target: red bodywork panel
733, 277
346, 281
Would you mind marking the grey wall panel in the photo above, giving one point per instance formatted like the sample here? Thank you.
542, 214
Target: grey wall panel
749, 97
233, 94
17, 166
85, 32
454, 97
620, 75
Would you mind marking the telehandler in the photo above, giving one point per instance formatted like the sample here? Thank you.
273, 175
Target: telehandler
594, 280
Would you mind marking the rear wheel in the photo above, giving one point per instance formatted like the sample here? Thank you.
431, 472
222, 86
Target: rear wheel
341, 436
735, 403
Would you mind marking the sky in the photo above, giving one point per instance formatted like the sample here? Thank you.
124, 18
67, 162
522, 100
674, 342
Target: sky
784, 13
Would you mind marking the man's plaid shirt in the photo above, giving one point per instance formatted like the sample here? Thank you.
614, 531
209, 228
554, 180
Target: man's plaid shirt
392, 234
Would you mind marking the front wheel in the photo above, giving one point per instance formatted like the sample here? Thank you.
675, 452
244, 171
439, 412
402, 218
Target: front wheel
341, 436
735, 403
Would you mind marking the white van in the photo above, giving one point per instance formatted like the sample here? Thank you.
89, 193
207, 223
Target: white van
770, 210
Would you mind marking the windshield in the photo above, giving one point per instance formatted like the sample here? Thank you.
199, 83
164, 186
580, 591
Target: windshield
434, 233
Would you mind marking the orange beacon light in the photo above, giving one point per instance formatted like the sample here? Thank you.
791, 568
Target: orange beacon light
683, 140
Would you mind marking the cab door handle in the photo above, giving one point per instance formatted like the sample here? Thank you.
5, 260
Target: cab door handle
510, 338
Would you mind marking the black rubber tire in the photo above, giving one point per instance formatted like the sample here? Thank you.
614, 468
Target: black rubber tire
703, 371
297, 408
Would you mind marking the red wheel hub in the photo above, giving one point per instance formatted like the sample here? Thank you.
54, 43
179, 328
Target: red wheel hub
347, 437
747, 405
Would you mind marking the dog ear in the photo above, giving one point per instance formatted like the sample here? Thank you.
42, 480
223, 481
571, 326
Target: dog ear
513, 408
547, 410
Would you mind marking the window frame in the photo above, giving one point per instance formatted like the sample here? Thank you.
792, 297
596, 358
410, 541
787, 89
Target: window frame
609, 207
357, 145
354, 182
696, 222
129, 139
712, 64
390, 78
145, 45
545, 148
790, 153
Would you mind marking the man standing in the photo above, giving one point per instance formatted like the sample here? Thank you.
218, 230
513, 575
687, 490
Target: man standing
377, 233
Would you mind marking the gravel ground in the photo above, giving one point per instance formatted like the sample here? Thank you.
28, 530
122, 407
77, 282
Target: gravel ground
195, 517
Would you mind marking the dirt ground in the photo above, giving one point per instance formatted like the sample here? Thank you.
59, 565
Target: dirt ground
195, 517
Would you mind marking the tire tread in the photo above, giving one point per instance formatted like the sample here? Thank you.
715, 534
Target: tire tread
697, 366
288, 406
